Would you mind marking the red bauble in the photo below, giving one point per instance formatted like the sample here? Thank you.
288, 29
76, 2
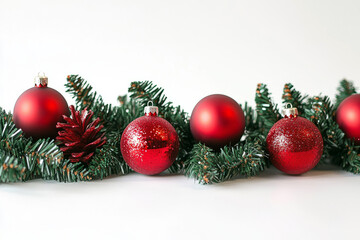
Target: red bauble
348, 117
149, 144
217, 120
295, 145
38, 110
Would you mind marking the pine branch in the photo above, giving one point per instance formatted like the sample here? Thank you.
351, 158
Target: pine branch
12, 145
12, 169
129, 110
108, 160
85, 97
46, 158
251, 119
345, 89
294, 97
147, 91
350, 160
207, 166
319, 110
267, 111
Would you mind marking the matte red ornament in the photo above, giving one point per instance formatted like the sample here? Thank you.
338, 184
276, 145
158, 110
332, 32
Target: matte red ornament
217, 120
295, 144
348, 117
38, 110
149, 144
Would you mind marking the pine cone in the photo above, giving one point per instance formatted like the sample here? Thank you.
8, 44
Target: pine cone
80, 138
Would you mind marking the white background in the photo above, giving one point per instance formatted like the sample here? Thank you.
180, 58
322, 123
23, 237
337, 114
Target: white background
192, 49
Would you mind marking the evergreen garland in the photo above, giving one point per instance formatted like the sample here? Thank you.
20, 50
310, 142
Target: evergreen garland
338, 149
23, 158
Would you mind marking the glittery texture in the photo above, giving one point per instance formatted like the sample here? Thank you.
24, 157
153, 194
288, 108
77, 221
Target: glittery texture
79, 137
295, 145
348, 117
149, 145
217, 120
38, 110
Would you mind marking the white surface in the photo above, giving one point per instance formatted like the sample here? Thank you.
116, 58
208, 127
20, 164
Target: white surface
192, 49
322, 204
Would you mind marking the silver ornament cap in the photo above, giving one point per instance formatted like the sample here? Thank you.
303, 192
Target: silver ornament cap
151, 110
41, 79
290, 111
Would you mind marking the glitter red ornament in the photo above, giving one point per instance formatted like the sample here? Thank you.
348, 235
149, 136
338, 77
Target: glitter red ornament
38, 110
149, 144
348, 117
295, 144
217, 120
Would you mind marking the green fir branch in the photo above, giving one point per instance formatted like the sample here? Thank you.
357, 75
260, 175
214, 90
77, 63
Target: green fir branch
350, 160
108, 160
12, 169
267, 111
12, 151
345, 90
245, 159
294, 97
319, 110
251, 119
85, 97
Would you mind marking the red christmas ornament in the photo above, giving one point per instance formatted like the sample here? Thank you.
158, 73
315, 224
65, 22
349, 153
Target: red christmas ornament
294, 143
217, 120
149, 144
38, 110
348, 117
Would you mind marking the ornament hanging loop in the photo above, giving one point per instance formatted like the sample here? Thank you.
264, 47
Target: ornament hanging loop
289, 111
41, 80
151, 110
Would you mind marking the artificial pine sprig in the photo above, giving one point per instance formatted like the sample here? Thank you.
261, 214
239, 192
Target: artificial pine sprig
294, 97
85, 97
12, 169
267, 111
108, 160
244, 159
345, 90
